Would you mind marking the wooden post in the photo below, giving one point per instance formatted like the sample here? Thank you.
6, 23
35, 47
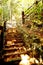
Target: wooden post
4, 33
1, 38
36, 2
23, 19
4, 26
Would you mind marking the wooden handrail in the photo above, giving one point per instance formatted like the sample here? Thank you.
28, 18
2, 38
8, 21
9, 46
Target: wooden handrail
32, 5
24, 16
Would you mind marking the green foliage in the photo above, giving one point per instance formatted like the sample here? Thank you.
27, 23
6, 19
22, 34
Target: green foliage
6, 13
4, 2
36, 9
17, 6
0, 10
39, 9
4, 10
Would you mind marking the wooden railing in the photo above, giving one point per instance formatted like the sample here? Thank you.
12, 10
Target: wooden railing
27, 13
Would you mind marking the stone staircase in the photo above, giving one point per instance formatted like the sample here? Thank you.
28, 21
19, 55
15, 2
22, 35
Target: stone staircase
14, 46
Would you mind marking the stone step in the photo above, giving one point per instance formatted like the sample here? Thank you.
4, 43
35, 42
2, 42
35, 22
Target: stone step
14, 53
12, 48
12, 59
12, 45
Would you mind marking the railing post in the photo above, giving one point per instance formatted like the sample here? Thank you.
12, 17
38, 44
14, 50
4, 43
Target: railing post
1, 37
4, 33
36, 2
4, 26
23, 19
